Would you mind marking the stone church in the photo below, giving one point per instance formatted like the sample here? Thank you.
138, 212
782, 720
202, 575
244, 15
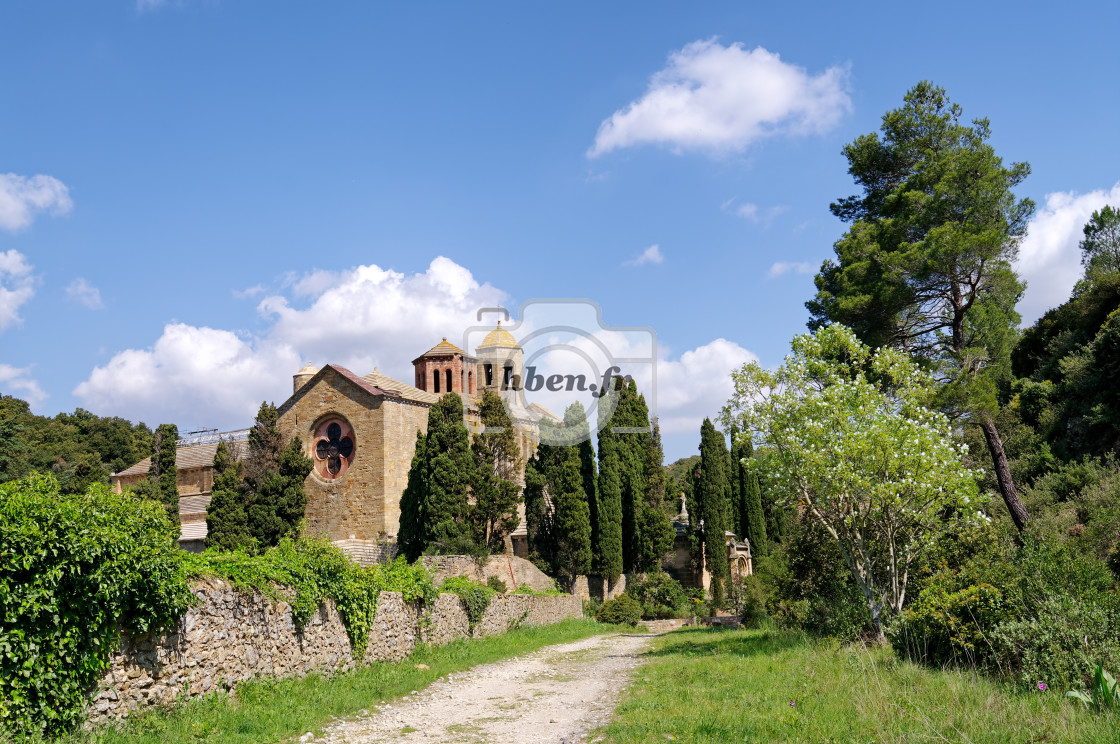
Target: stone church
360, 431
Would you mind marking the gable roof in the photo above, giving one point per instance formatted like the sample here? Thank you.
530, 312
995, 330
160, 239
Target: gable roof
190, 457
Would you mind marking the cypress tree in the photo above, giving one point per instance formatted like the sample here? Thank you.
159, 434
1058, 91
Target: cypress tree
497, 461
410, 535
609, 549
631, 413
738, 521
278, 504
572, 525
589, 473
162, 471
538, 517
752, 500
227, 522
449, 466
714, 489
265, 444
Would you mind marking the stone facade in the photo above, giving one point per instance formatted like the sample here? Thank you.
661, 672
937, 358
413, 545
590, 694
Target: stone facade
363, 503
231, 636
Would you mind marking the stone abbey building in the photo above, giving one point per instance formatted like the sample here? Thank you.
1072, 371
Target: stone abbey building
360, 432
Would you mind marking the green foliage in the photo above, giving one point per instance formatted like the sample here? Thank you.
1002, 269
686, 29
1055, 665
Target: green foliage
622, 610
572, 522
307, 571
809, 587
608, 551
1104, 693
712, 493
752, 602
227, 521
74, 568
496, 585
79, 448
660, 596
278, 505
162, 471
435, 513
1034, 613
495, 490
846, 433
1100, 248
474, 595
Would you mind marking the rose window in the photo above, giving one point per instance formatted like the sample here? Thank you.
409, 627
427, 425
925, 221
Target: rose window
334, 448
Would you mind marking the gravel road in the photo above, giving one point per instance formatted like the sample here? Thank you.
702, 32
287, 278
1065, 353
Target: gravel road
552, 696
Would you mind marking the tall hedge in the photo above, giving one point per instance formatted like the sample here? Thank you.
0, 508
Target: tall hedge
71, 568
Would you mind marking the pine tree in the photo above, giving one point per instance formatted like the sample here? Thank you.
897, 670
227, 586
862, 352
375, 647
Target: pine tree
227, 521
265, 444
609, 548
713, 491
449, 466
162, 471
410, 535
497, 461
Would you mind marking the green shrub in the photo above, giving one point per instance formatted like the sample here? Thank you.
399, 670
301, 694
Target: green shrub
751, 599
74, 569
1054, 617
496, 584
622, 610
950, 627
474, 595
660, 596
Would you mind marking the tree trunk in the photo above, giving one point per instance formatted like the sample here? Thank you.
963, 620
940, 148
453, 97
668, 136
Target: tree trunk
1003, 474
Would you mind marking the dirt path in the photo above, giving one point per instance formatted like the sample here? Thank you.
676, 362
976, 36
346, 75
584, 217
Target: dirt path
552, 696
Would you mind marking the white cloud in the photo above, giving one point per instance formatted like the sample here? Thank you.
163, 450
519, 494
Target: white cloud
365, 317
192, 376
17, 286
697, 385
22, 197
84, 293
753, 212
716, 98
243, 294
649, 255
15, 381
1049, 257
785, 267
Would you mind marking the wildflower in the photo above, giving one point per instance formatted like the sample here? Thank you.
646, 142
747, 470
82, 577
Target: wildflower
791, 703
1042, 686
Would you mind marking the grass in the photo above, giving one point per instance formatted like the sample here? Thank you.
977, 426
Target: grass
709, 685
279, 710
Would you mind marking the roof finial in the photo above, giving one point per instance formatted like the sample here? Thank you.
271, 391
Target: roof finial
445, 338
499, 324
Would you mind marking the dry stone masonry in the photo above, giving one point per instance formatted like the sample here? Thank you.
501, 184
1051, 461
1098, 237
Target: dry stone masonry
232, 635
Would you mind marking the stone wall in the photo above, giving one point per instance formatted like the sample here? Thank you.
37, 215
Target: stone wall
509, 568
231, 636
596, 587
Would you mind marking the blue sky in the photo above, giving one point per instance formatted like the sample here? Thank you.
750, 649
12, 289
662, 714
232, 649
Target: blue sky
197, 197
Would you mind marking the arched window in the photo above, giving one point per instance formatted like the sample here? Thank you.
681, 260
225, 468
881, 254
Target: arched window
435, 381
489, 370
450, 387
470, 382
507, 376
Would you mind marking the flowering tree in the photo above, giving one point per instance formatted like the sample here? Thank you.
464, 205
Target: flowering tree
847, 436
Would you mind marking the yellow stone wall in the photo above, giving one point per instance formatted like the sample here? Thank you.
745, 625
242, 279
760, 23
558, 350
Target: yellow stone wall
364, 502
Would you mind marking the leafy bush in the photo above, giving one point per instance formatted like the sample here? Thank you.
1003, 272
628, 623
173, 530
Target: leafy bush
74, 569
660, 596
1104, 693
810, 587
622, 610
496, 584
949, 627
751, 597
1054, 617
474, 595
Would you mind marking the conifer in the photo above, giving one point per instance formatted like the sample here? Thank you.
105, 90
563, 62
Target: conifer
162, 471
713, 491
609, 548
227, 521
